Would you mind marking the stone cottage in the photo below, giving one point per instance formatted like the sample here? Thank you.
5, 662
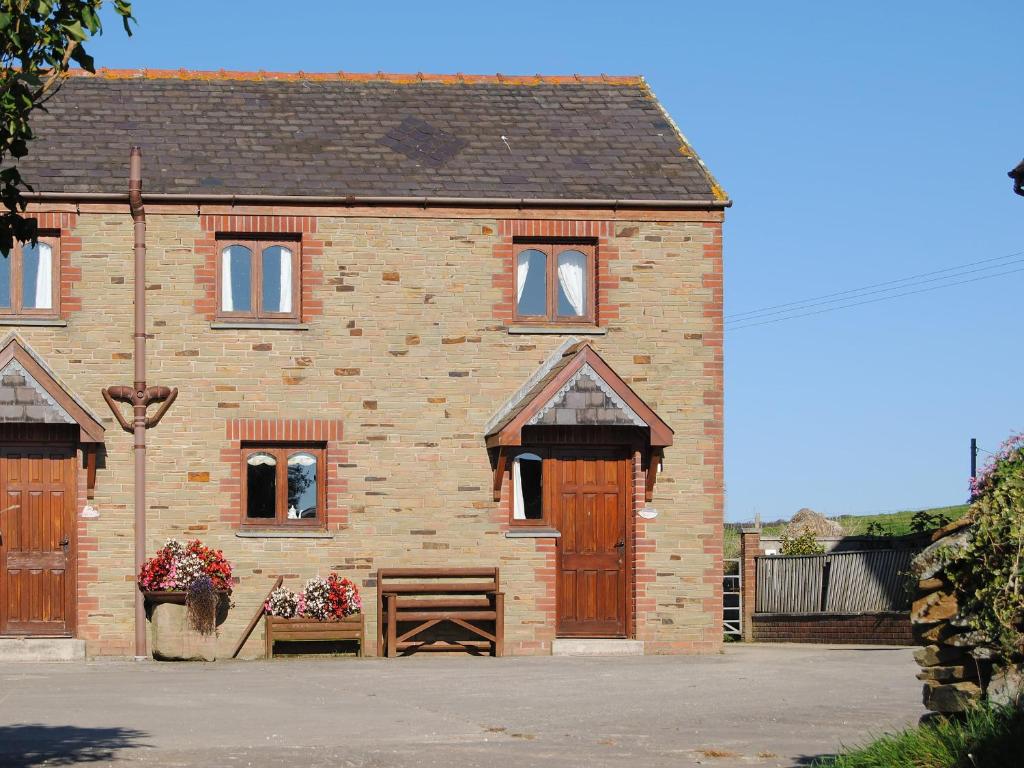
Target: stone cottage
413, 320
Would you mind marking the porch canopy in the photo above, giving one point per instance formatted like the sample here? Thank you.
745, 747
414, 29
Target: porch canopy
575, 387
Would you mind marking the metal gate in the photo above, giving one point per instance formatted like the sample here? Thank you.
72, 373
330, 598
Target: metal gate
732, 597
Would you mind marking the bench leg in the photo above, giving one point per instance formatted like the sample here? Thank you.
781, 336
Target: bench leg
268, 638
392, 602
499, 624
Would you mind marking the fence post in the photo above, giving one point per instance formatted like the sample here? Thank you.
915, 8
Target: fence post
750, 547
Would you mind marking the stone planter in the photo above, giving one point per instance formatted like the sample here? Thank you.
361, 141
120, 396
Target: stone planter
170, 635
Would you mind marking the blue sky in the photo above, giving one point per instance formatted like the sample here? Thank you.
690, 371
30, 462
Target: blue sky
862, 142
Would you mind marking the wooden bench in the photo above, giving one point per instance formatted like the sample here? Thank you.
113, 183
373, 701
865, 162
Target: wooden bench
422, 598
310, 630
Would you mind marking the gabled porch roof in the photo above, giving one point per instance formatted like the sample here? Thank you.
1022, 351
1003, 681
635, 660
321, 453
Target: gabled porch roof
574, 387
30, 393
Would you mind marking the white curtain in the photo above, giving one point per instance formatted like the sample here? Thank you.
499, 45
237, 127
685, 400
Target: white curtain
518, 506
521, 273
44, 278
261, 459
572, 266
227, 304
286, 280
301, 460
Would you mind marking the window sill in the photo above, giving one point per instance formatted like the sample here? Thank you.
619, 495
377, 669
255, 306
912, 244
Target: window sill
44, 322
551, 330
279, 534
532, 533
256, 325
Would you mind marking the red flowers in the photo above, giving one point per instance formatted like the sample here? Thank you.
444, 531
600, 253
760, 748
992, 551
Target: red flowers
176, 565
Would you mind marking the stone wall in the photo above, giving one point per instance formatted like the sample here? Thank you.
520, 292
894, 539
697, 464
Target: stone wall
403, 350
958, 665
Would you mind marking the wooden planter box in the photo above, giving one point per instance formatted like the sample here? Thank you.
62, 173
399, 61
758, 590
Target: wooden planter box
310, 630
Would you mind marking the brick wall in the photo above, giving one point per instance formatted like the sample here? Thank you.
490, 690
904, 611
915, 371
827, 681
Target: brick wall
403, 347
833, 628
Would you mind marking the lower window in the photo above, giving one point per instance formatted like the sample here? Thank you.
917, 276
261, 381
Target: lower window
527, 489
283, 485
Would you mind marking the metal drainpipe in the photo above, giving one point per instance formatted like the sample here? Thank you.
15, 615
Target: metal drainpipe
139, 390
139, 396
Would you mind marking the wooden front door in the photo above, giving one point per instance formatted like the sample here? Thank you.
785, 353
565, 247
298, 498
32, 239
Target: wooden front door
37, 523
588, 500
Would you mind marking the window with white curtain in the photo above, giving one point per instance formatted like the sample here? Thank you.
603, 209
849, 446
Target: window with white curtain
29, 279
527, 488
258, 279
554, 282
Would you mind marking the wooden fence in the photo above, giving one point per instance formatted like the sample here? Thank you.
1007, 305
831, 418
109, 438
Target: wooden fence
870, 581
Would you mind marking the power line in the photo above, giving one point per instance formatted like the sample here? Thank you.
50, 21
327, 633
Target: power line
805, 305
877, 285
873, 301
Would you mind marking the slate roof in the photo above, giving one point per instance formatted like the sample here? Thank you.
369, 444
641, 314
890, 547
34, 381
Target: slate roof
338, 135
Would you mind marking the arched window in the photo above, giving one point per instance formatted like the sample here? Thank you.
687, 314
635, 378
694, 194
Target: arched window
527, 488
554, 283
259, 280
29, 279
283, 485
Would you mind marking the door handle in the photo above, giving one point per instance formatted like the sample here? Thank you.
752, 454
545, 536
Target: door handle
621, 545
65, 542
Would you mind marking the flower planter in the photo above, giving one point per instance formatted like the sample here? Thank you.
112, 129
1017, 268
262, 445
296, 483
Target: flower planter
277, 629
172, 638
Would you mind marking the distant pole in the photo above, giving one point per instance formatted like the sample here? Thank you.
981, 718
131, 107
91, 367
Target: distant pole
974, 460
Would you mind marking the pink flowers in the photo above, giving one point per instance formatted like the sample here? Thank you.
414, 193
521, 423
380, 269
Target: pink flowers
322, 599
176, 566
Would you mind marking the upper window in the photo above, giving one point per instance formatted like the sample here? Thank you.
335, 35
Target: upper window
283, 485
29, 279
554, 283
258, 279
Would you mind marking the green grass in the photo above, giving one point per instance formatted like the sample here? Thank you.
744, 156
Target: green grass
985, 738
892, 523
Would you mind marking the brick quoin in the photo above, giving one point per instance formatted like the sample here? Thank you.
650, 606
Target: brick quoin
599, 232
312, 251
323, 431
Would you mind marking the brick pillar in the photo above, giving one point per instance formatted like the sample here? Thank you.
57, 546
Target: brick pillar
750, 547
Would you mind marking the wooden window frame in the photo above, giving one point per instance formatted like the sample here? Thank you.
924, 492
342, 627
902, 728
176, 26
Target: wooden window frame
16, 310
257, 244
552, 248
281, 452
545, 505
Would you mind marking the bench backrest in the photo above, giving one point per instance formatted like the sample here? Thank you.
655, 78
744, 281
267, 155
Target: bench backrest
437, 581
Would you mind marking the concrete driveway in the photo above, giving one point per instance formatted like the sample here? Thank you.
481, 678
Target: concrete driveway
758, 705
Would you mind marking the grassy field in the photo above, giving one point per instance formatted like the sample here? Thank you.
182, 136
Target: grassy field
891, 523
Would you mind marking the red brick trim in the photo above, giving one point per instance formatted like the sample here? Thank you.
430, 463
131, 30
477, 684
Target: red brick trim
713, 443
832, 628
504, 278
311, 250
64, 225
325, 431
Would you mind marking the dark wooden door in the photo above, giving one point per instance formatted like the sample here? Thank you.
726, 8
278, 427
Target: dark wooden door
588, 501
37, 519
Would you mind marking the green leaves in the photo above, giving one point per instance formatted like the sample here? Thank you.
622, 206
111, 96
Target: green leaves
39, 42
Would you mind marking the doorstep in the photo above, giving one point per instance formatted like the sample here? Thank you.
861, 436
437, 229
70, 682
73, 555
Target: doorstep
41, 649
583, 646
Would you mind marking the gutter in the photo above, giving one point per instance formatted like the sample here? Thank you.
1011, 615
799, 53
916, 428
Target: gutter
371, 200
